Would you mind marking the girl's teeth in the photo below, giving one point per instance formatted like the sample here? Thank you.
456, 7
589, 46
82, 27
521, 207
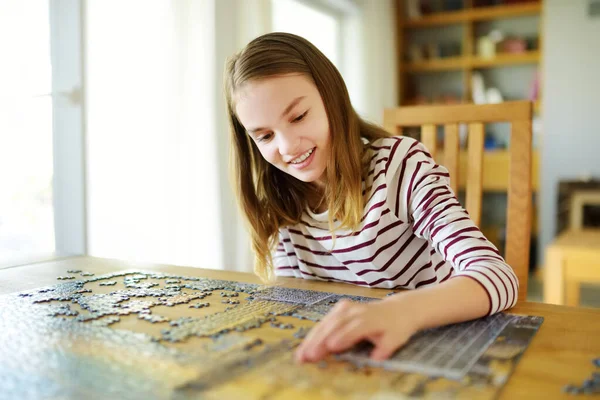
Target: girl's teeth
303, 157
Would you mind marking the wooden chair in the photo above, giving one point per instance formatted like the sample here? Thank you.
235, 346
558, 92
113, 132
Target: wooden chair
519, 115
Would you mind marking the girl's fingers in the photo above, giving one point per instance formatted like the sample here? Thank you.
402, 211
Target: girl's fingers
348, 335
316, 347
385, 347
313, 346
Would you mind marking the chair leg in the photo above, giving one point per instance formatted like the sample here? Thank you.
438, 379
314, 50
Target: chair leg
554, 284
573, 293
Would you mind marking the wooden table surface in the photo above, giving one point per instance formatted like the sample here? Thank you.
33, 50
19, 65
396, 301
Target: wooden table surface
559, 354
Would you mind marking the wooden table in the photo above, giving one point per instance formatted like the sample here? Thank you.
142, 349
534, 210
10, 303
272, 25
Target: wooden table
560, 353
573, 258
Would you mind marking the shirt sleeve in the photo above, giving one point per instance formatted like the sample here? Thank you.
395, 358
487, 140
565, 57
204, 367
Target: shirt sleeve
284, 256
424, 197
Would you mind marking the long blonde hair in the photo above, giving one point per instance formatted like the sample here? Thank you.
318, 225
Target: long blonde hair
268, 197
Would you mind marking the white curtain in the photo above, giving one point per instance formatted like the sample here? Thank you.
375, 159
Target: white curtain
370, 66
152, 154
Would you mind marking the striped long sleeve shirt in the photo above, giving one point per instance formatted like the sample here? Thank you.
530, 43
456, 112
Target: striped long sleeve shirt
413, 233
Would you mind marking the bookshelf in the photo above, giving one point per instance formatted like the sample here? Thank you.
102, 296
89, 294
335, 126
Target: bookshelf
468, 61
455, 71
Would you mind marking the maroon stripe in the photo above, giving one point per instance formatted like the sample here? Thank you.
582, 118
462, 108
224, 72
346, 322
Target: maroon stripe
380, 147
456, 240
444, 174
373, 207
319, 238
288, 267
380, 160
488, 278
484, 258
484, 288
348, 249
434, 218
379, 250
424, 215
469, 250
316, 252
503, 284
440, 264
436, 230
461, 231
380, 187
428, 265
428, 196
513, 282
426, 208
393, 258
371, 172
412, 182
447, 276
427, 282
368, 242
392, 152
401, 178
406, 267
328, 268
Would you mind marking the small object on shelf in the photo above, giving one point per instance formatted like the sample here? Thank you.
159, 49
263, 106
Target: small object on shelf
490, 142
486, 48
493, 96
478, 88
513, 45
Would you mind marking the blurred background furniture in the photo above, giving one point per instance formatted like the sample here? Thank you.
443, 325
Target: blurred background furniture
572, 259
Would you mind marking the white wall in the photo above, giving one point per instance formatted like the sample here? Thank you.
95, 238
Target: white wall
571, 108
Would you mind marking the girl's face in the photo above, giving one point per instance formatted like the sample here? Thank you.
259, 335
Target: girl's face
286, 118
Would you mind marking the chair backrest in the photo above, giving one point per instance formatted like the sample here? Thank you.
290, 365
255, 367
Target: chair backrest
519, 115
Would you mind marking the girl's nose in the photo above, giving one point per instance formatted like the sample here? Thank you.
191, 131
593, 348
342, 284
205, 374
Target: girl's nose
288, 145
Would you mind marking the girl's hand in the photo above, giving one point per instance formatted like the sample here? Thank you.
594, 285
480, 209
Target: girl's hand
388, 324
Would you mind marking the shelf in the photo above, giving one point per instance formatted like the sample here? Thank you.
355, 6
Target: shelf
529, 57
475, 14
456, 63
495, 169
438, 64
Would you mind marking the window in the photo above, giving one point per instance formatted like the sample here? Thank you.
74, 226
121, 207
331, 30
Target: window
320, 27
26, 158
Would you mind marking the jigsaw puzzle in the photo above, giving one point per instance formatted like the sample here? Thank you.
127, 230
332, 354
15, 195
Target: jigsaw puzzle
136, 334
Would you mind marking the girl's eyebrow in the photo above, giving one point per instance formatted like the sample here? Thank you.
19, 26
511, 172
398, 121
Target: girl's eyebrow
285, 112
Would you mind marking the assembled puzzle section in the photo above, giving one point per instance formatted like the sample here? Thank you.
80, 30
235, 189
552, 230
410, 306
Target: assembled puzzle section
139, 334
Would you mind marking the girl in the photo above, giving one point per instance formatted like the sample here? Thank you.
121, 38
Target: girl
329, 196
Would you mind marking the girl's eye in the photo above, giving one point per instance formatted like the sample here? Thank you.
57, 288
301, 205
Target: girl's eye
301, 117
265, 137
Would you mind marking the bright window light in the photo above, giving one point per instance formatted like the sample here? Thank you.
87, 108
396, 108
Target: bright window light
26, 211
318, 27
